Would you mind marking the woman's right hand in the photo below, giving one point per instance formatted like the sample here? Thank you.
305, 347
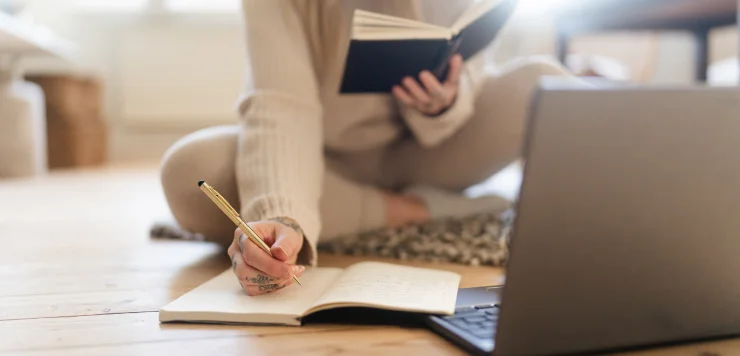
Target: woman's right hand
258, 273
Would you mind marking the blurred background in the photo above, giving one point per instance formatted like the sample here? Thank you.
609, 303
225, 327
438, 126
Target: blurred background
124, 79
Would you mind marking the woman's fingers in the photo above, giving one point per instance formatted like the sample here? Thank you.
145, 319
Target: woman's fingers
410, 100
254, 281
435, 89
249, 277
430, 97
261, 260
402, 95
416, 91
422, 100
453, 75
264, 288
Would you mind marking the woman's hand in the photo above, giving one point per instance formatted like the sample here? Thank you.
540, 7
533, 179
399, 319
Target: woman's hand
258, 273
432, 98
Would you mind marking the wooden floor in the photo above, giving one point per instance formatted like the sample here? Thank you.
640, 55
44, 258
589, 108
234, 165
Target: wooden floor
79, 276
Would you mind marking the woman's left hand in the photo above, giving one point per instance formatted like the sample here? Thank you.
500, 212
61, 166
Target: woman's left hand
431, 97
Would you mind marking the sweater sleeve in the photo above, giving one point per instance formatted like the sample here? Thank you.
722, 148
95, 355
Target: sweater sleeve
280, 164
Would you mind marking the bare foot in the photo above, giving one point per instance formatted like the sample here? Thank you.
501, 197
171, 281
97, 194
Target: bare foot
403, 210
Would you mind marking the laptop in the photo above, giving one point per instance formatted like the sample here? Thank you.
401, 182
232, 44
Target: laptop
627, 229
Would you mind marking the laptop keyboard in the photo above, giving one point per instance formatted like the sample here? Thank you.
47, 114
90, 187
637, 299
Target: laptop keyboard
479, 321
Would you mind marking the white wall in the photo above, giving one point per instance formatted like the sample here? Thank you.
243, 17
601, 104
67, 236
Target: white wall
164, 74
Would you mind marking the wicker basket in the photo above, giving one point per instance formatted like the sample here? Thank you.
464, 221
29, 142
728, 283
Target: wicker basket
76, 131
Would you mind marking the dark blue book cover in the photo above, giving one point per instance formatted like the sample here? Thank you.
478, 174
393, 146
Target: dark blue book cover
376, 65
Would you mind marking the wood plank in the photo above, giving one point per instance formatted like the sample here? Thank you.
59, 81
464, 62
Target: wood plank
60, 282
80, 246
62, 271
379, 341
122, 329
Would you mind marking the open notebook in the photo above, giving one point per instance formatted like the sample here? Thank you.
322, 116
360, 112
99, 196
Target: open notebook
384, 49
366, 284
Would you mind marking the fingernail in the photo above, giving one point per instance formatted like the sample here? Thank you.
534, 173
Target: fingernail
296, 269
303, 268
282, 249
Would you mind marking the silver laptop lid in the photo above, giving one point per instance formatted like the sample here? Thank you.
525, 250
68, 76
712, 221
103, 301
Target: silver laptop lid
628, 227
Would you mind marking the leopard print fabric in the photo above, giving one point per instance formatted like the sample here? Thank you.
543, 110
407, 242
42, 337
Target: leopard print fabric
479, 240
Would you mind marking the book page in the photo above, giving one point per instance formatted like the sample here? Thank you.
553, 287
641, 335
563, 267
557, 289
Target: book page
382, 33
393, 287
368, 18
476, 10
223, 296
372, 26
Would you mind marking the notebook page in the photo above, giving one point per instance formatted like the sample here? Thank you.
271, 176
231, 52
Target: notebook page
224, 295
394, 287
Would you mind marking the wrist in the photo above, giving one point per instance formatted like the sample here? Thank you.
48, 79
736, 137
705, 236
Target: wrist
289, 222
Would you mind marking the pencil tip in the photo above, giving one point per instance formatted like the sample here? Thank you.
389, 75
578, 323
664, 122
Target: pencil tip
200, 182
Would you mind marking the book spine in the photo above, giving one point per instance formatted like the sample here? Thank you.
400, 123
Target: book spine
443, 59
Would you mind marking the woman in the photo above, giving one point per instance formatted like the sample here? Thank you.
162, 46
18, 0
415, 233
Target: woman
308, 163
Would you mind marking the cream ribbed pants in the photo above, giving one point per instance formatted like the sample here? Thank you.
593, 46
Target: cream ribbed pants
351, 200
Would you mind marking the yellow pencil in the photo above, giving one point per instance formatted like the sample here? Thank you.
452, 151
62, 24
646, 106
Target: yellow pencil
222, 204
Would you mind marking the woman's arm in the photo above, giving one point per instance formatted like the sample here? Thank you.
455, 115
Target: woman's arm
279, 163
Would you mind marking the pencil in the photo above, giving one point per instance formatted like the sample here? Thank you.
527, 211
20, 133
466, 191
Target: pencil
233, 215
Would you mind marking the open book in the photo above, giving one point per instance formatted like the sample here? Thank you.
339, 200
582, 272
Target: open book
366, 284
384, 49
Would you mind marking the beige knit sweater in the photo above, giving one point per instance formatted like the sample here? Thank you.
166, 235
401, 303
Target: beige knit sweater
292, 111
